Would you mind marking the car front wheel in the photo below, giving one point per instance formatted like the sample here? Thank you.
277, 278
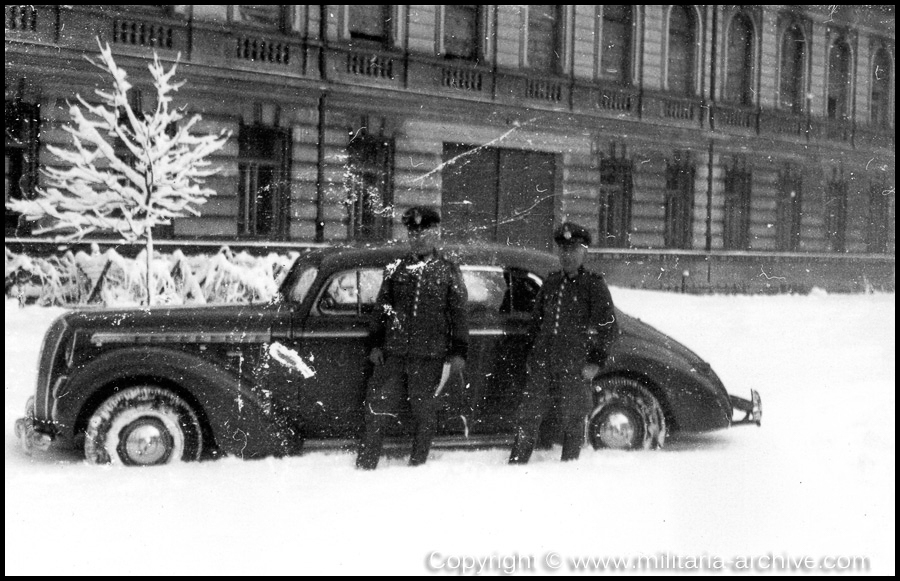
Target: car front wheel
626, 416
143, 426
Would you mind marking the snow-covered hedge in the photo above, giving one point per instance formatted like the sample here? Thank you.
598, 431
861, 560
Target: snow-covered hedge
109, 278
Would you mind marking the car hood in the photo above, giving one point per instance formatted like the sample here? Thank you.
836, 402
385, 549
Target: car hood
237, 318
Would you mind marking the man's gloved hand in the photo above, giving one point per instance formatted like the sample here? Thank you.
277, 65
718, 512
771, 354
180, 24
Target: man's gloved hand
590, 370
457, 365
376, 356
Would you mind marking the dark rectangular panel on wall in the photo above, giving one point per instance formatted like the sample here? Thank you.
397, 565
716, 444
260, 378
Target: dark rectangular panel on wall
469, 199
498, 195
525, 198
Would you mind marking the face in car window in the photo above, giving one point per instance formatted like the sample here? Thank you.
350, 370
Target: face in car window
341, 294
351, 292
343, 289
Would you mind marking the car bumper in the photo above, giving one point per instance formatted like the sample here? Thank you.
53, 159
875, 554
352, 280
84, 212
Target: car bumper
29, 434
752, 408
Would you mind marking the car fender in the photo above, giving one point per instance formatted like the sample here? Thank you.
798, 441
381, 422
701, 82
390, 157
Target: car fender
692, 399
242, 422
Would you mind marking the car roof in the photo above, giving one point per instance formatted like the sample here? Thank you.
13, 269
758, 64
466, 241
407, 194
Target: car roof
539, 262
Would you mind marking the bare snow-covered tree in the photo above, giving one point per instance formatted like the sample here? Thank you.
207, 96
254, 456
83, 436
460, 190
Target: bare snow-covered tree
159, 177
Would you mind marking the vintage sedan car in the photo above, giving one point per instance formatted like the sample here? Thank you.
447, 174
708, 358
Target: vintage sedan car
151, 386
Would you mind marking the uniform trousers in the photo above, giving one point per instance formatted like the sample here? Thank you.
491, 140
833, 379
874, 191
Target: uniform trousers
414, 379
554, 390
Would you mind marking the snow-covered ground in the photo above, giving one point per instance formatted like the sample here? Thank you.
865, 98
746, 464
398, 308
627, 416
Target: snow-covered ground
813, 488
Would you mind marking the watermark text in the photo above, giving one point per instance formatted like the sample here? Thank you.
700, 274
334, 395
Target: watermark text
552, 561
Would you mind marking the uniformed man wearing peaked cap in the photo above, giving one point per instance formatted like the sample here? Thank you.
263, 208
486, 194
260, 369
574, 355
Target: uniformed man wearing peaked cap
419, 218
420, 322
569, 234
572, 327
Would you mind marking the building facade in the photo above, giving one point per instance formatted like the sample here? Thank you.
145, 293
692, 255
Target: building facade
669, 131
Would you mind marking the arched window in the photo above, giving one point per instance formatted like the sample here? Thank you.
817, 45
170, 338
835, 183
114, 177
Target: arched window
615, 54
839, 81
682, 46
793, 60
882, 82
739, 72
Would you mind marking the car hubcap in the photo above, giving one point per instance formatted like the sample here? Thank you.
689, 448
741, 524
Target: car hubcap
145, 442
617, 431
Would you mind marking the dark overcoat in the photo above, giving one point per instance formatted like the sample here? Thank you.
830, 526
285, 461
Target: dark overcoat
573, 324
421, 309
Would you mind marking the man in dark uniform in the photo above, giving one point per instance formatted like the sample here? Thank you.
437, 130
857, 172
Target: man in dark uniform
572, 326
420, 323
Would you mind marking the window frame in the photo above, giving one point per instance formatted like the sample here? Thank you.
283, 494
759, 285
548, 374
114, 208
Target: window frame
693, 85
738, 187
281, 26
747, 73
845, 112
23, 146
881, 208
248, 217
887, 119
789, 211
801, 82
389, 21
381, 166
477, 55
835, 223
680, 177
557, 49
622, 184
626, 79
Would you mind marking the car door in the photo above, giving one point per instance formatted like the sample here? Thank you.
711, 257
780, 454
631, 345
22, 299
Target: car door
331, 339
500, 304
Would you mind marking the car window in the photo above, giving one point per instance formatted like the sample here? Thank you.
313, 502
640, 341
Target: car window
369, 284
487, 288
502, 291
351, 292
524, 287
491, 290
303, 284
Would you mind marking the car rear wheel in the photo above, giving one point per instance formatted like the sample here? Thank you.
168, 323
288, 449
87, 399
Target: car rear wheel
143, 426
626, 416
